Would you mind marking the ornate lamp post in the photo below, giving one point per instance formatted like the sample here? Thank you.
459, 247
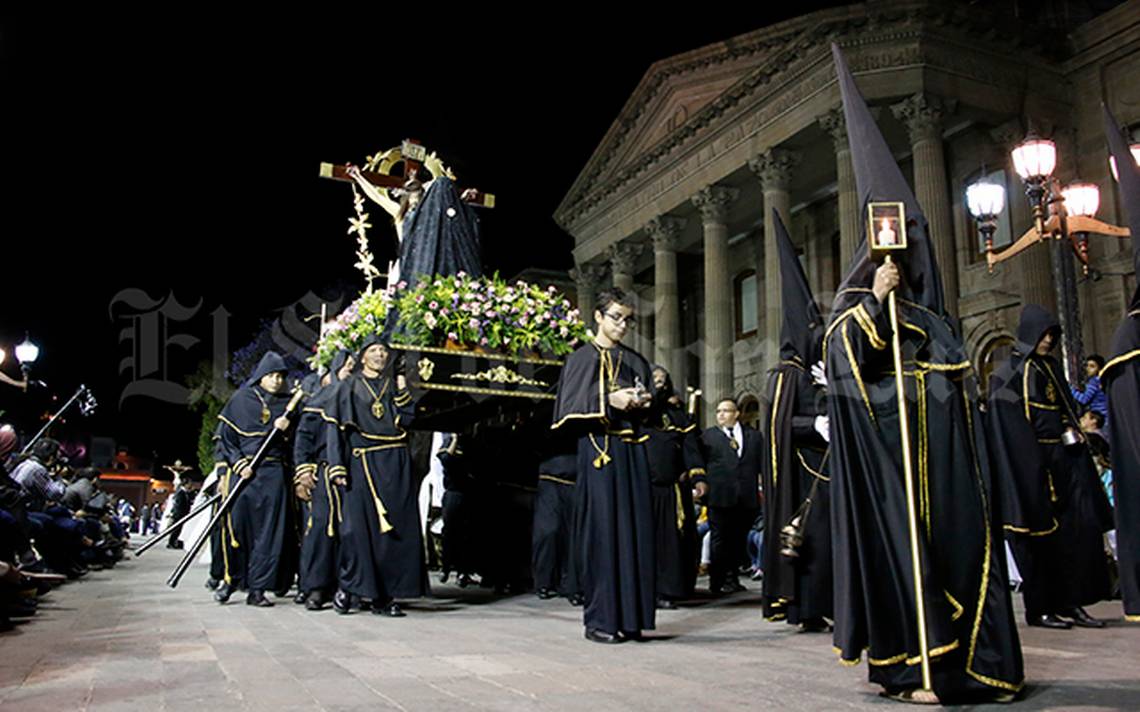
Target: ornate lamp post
1067, 214
27, 353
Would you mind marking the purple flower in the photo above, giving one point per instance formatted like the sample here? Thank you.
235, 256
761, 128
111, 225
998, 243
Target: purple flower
453, 336
483, 341
473, 323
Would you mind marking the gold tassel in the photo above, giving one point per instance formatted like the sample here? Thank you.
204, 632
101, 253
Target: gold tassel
680, 506
603, 457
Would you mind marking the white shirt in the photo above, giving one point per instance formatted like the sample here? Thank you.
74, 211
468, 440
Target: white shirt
737, 434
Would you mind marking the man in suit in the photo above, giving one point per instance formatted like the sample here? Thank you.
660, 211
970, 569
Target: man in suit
731, 489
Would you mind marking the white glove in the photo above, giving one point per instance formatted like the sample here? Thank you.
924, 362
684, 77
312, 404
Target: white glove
823, 427
819, 375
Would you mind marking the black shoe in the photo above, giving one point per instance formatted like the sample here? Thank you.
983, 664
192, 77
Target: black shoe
814, 625
546, 593
257, 598
283, 592
634, 635
1081, 618
666, 604
315, 601
444, 576
599, 636
223, 592
212, 584
390, 609
342, 602
576, 599
1047, 620
301, 598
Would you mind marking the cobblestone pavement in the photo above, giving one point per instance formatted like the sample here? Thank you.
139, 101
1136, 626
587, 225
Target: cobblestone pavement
121, 640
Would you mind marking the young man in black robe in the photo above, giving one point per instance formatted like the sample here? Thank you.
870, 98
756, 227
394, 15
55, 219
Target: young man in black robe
733, 455
381, 542
552, 539
1053, 504
603, 398
971, 634
316, 579
260, 520
797, 588
674, 459
1121, 379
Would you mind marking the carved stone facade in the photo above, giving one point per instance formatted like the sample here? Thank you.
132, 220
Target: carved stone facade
711, 141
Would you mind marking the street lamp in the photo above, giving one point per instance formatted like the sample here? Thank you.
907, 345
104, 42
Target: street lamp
26, 354
1066, 214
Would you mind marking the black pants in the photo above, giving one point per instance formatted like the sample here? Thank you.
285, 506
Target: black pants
728, 542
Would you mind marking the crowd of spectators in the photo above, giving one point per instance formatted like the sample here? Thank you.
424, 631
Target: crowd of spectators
55, 524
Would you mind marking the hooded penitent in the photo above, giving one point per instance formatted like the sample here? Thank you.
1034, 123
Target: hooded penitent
796, 589
1121, 380
971, 636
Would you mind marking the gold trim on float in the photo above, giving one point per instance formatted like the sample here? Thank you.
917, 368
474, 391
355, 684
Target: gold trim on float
475, 354
500, 374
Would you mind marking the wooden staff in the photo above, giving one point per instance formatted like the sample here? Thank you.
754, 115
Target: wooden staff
908, 475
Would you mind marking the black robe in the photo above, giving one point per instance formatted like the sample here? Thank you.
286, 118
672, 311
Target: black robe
971, 634
381, 540
320, 540
1053, 503
260, 522
796, 589
674, 457
552, 534
613, 503
1121, 379
440, 236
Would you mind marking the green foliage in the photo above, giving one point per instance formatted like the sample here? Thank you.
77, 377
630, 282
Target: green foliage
207, 395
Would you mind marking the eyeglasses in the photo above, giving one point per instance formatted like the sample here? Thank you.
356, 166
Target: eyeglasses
630, 321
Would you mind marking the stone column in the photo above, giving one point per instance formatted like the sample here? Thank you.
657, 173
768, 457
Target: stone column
774, 168
850, 218
716, 379
623, 262
664, 231
1032, 269
587, 278
922, 116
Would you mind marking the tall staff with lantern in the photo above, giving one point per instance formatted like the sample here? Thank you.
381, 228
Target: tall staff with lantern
918, 565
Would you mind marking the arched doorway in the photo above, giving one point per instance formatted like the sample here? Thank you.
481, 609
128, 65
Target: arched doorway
749, 411
992, 354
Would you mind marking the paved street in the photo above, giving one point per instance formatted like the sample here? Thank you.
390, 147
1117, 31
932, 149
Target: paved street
121, 640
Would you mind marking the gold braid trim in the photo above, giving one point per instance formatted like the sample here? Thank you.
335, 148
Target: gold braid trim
556, 480
1122, 358
855, 372
867, 324
772, 430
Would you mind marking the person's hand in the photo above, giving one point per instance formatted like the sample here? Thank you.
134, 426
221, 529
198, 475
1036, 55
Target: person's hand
700, 490
469, 195
623, 399
246, 472
340, 480
352, 171
282, 423
886, 279
822, 426
303, 492
819, 374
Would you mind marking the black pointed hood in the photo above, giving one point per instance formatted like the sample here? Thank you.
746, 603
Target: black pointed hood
1034, 323
1129, 190
801, 333
878, 178
271, 362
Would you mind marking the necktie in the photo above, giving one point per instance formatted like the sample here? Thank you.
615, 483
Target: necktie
732, 441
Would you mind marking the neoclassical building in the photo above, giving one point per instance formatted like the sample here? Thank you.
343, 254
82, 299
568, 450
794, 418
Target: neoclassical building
675, 203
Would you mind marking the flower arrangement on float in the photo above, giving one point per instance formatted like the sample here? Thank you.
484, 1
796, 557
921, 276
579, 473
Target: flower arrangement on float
461, 312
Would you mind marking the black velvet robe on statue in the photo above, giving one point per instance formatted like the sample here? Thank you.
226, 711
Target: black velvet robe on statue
260, 521
1053, 504
1121, 379
440, 236
376, 562
614, 508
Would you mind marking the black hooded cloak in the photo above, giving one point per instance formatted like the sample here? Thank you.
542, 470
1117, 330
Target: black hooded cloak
1121, 379
674, 453
260, 520
1053, 502
971, 635
796, 589
381, 540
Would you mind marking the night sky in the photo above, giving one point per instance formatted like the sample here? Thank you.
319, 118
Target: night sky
178, 156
